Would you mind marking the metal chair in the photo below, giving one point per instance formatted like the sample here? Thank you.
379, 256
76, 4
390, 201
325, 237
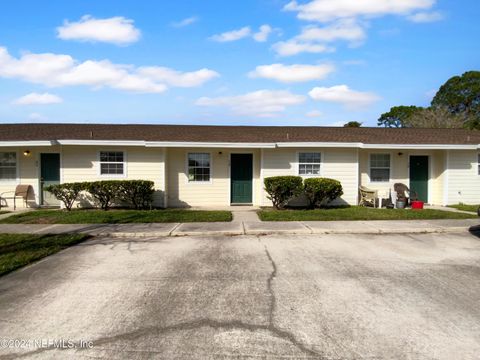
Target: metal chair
21, 191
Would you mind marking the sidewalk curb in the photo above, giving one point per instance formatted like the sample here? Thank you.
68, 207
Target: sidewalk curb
280, 232
236, 228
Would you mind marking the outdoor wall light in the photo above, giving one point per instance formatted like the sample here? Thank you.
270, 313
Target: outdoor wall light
400, 154
26, 153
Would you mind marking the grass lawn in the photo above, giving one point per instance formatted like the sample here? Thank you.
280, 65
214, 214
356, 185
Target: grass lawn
4, 212
116, 216
464, 207
17, 250
357, 213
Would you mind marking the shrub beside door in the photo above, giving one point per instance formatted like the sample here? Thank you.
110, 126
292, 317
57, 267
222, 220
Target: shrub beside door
281, 189
134, 193
318, 191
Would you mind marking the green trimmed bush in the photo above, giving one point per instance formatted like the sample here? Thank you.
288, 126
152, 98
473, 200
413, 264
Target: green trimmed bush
104, 192
137, 193
321, 191
67, 193
281, 189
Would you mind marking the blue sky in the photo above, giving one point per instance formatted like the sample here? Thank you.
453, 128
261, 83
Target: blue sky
263, 62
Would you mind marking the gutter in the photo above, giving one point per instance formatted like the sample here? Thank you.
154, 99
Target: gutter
192, 144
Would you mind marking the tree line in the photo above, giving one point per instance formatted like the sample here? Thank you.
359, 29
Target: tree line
455, 105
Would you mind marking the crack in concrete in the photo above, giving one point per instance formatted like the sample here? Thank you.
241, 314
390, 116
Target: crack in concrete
205, 322
189, 325
273, 307
273, 301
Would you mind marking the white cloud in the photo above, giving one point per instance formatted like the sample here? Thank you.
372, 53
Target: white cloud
261, 36
426, 17
178, 78
294, 47
347, 21
314, 113
233, 35
314, 39
185, 22
56, 70
263, 103
344, 95
346, 30
38, 99
292, 73
328, 10
263, 33
116, 30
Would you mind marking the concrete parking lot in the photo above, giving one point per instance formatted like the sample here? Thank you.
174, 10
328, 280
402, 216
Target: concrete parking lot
277, 296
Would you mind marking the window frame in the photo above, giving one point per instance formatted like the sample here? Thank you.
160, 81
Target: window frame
478, 164
303, 163
99, 167
17, 168
187, 168
389, 168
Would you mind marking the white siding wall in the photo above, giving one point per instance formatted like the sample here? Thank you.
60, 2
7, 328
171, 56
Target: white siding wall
339, 164
28, 170
399, 171
80, 163
182, 193
438, 177
463, 179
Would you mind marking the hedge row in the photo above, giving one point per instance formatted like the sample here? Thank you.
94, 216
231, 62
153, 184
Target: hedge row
318, 191
135, 193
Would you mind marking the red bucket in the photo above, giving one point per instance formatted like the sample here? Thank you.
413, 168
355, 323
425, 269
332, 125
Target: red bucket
417, 205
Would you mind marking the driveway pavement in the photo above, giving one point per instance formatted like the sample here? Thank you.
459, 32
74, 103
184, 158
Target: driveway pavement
410, 296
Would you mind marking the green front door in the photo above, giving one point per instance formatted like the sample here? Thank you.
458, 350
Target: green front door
241, 178
49, 175
419, 176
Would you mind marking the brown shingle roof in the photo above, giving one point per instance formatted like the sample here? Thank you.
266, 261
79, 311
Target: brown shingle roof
250, 134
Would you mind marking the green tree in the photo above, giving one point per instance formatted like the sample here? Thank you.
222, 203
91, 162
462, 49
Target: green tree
397, 116
438, 117
461, 96
353, 124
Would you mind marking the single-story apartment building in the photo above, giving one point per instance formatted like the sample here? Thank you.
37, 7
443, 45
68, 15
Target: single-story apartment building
223, 165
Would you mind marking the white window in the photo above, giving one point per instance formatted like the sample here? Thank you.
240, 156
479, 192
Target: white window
112, 163
309, 163
8, 166
198, 167
379, 167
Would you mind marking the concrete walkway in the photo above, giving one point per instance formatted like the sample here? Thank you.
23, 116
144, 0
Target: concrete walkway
246, 222
249, 228
450, 209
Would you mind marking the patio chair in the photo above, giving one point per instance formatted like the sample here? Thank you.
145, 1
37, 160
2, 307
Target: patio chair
404, 193
21, 191
368, 197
